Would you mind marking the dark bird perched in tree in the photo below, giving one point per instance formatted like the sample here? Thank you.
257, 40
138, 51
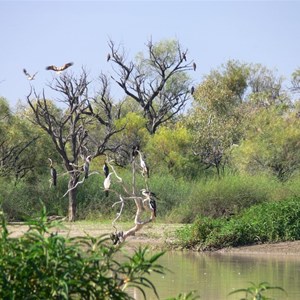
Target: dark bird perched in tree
105, 169
192, 90
194, 66
145, 168
86, 166
149, 197
59, 69
135, 152
29, 77
53, 173
152, 205
107, 184
108, 57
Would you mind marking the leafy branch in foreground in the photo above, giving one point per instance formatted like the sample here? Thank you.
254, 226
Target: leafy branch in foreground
42, 264
255, 292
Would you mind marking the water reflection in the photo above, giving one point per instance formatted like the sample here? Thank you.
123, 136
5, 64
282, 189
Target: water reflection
215, 275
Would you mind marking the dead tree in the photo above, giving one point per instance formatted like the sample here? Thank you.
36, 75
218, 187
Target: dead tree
71, 129
158, 82
144, 201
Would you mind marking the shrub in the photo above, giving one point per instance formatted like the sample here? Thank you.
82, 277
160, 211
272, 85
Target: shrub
266, 222
42, 264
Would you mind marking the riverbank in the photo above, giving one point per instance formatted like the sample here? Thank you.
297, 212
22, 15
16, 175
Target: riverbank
157, 236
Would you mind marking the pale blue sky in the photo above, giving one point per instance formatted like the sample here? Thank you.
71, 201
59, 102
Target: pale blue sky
35, 34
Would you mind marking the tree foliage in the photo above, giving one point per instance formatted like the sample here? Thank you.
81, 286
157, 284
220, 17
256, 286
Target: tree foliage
158, 82
271, 144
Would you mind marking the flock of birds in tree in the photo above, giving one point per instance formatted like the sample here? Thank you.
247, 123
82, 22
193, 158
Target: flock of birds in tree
58, 70
149, 196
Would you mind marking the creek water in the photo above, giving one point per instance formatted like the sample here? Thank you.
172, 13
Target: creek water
214, 275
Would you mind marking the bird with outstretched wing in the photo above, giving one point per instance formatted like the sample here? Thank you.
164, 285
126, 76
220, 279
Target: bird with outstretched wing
59, 69
29, 77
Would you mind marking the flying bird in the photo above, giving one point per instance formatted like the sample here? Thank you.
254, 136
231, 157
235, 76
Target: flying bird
59, 69
53, 173
106, 184
86, 166
29, 77
194, 66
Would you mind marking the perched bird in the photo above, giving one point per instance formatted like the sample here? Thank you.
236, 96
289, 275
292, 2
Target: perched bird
59, 69
194, 66
29, 77
53, 173
86, 166
152, 205
134, 152
149, 198
105, 169
107, 183
145, 168
192, 90
108, 57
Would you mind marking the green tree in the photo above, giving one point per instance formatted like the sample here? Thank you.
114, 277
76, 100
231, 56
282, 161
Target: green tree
265, 88
158, 82
169, 149
216, 116
271, 144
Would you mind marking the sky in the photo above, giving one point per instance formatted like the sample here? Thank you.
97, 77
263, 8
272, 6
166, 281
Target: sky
35, 34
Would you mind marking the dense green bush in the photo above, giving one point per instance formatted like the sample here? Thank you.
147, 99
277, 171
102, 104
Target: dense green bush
266, 222
224, 197
44, 265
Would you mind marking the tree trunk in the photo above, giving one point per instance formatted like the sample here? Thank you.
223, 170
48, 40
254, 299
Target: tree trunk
72, 199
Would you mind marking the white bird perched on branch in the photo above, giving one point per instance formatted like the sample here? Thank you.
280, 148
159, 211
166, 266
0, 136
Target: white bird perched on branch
53, 173
107, 184
86, 166
145, 169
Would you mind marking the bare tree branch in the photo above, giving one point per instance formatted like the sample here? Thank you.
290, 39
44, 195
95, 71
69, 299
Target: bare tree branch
148, 81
